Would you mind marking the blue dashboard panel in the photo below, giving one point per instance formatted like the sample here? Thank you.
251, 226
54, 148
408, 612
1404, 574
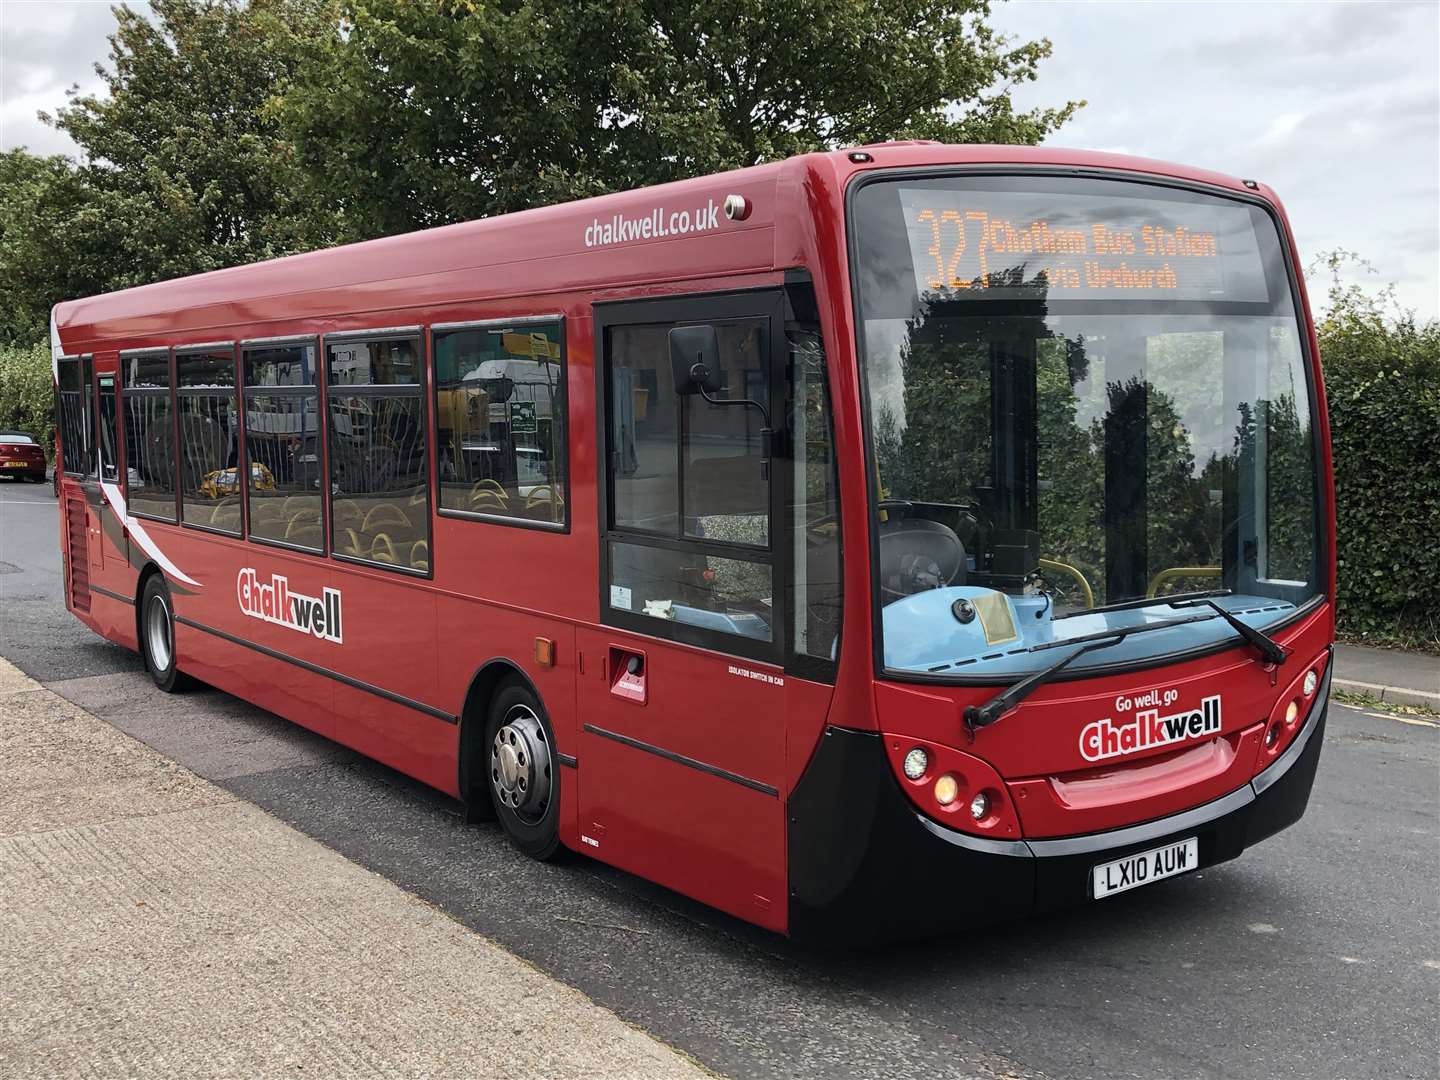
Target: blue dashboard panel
923, 633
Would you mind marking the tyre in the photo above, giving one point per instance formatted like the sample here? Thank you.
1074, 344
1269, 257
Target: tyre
157, 636
522, 771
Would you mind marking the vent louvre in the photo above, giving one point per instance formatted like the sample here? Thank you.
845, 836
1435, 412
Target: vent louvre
79, 554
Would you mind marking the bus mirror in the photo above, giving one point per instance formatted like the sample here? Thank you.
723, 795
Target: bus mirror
695, 359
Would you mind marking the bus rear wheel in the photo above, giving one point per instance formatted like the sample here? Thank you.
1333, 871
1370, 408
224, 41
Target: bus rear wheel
522, 771
157, 637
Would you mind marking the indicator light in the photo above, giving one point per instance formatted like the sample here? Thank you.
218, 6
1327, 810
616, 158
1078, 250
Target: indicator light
947, 788
1291, 712
1311, 682
916, 762
980, 806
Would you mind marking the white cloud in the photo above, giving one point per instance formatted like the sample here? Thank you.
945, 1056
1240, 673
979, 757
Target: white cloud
1335, 105
46, 47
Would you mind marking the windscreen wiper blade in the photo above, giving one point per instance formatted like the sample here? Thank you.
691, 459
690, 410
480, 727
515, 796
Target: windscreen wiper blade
1173, 600
978, 716
1272, 650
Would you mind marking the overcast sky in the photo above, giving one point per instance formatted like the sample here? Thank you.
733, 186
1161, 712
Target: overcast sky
1336, 105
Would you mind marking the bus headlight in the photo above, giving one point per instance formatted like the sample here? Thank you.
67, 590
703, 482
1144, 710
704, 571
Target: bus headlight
916, 762
980, 806
1311, 682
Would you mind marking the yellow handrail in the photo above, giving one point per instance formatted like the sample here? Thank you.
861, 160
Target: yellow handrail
1066, 568
1177, 572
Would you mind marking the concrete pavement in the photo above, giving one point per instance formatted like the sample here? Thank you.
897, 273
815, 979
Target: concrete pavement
154, 925
1389, 675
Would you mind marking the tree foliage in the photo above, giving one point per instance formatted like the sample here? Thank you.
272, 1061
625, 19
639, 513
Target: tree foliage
182, 169
27, 399
428, 113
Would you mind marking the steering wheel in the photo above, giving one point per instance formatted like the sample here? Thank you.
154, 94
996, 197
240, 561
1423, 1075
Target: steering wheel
917, 554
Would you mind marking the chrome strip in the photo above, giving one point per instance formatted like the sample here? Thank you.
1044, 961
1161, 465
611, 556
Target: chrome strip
520, 320
1017, 848
205, 345
1151, 830
153, 350
283, 339
1281, 765
379, 331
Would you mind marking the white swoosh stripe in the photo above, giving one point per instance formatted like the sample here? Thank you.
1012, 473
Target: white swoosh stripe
137, 530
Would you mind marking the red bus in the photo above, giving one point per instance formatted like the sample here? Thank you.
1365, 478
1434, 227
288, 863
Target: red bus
867, 543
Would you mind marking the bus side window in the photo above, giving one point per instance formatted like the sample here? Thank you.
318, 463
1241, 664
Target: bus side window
500, 420
815, 505
281, 409
109, 461
379, 471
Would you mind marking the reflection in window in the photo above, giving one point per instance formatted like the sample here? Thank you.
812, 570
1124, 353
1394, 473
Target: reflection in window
75, 436
500, 416
732, 596
149, 435
109, 455
724, 494
816, 501
379, 478
282, 445
209, 440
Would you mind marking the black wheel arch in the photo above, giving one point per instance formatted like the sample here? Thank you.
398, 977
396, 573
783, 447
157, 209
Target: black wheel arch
149, 570
484, 685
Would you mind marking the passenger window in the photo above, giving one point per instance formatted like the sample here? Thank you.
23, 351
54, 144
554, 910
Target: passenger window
209, 429
109, 458
690, 484
500, 419
149, 435
815, 505
379, 475
75, 437
282, 445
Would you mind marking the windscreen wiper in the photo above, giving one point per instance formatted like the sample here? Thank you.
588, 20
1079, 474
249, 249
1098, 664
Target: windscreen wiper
1173, 600
978, 716
1272, 650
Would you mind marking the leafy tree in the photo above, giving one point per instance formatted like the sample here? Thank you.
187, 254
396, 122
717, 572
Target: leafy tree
183, 170
427, 113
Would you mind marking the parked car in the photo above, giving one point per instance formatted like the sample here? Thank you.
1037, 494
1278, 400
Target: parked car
22, 456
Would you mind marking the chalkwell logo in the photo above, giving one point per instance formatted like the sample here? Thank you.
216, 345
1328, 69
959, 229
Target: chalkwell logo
1103, 739
622, 228
275, 602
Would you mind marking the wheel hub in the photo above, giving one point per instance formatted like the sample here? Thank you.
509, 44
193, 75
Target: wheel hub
520, 763
157, 624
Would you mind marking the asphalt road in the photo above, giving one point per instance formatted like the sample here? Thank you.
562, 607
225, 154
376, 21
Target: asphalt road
1314, 955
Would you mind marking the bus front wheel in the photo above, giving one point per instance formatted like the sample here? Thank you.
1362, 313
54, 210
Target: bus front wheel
522, 770
157, 636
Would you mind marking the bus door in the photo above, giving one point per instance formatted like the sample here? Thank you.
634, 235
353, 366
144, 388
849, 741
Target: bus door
682, 693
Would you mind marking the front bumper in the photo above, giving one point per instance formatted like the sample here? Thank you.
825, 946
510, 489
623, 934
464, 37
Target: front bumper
865, 865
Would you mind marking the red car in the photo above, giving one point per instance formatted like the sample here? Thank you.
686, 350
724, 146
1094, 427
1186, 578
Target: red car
21, 456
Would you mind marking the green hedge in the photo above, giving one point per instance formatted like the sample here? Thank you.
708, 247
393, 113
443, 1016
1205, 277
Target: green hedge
1382, 377
27, 399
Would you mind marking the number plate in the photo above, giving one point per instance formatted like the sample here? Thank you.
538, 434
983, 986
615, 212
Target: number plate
1145, 867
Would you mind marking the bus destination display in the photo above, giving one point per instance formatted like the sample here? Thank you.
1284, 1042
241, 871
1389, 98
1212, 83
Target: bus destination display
1021, 245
